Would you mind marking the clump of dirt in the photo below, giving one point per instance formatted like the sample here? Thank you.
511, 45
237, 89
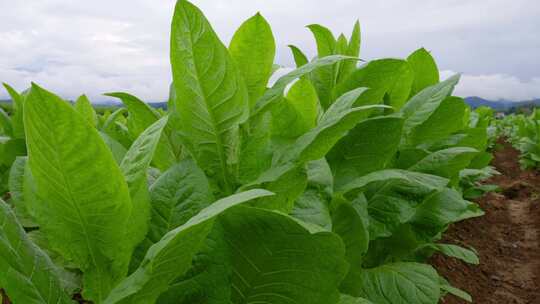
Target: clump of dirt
507, 239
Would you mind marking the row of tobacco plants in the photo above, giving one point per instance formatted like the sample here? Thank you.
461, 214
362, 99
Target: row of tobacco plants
523, 132
333, 185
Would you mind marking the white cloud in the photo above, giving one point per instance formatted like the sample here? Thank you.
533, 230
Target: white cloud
496, 86
93, 47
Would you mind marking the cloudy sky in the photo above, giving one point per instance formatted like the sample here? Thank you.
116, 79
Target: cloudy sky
73, 47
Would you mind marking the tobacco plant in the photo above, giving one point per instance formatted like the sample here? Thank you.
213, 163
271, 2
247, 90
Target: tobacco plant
332, 185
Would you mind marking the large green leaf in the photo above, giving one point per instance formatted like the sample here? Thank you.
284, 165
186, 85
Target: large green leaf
256, 150
458, 252
275, 93
445, 120
366, 148
84, 107
277, 260
387, 78
443, 208
211, 97
116, 148
177, 195
16, 189
446, 163
325, 40
311, 207
353, 49
134, 166
325, 78
84, 204
423, 183
141, 116
346, 299
171, 257
26, 273
299, 57
253, 48
6, 127
400, 283
18, 109
332, 126
417, 110
426, 72
298, 113
350, 221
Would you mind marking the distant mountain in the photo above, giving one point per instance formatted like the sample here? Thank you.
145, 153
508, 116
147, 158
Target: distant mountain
500, 105
474, 102
113, 103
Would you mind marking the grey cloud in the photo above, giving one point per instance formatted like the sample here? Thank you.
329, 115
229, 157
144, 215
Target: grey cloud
92, 47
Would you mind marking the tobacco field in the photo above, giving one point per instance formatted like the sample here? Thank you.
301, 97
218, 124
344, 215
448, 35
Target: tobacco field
342, 182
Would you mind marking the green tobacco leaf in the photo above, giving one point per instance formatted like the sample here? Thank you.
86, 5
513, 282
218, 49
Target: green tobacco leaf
311, 207
417, 110
446, 163
346, 299
400, 283
426, 72
178, 195
171, 257
26, 273
424, 183
256, 150
288, 187
83, 213
325, 78
444, 121
457, 252
299, 57
332, 126
84, 107
326, 42
385, 77
116, 148
5, 124
353, 49
443, 208
135, 166
387, 213
368, 147
109, 123
341, 45
350, 221
16, 189
18, 109
275, 93
211, 97
303, 97
141, 116
253, 48
208, 281
445, 286
277, 260
298, 113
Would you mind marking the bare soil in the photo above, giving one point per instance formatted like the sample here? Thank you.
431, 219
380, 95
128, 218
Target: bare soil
507, 239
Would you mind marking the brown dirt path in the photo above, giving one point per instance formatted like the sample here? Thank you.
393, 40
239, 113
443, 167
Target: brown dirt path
507, 239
